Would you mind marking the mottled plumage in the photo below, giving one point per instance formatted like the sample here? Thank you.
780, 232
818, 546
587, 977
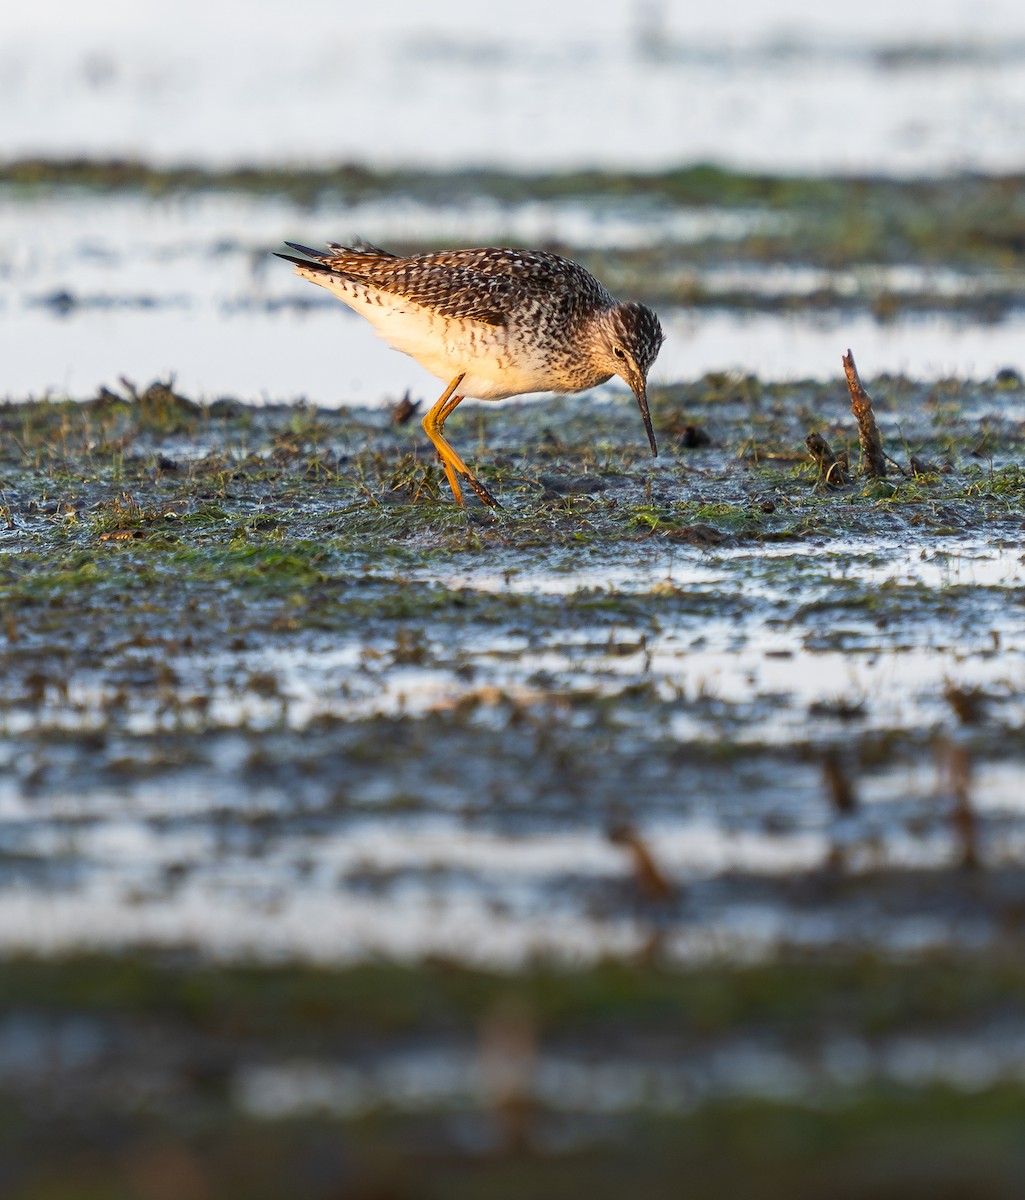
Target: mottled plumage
496, 322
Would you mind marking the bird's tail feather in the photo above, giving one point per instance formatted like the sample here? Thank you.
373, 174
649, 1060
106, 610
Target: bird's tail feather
318, 263
362, 246
312, 267
317, 254
336, 249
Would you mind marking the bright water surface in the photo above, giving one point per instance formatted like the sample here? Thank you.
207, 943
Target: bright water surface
908, 86
96, 287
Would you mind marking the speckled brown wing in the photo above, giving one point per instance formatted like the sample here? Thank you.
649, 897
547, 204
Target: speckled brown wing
487, 284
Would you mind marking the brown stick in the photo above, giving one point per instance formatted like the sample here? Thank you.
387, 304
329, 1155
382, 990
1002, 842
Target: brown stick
963, 816
838, 783
832, 467
648, 874
873, 458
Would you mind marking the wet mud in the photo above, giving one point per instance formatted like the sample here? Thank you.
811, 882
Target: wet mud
668, 819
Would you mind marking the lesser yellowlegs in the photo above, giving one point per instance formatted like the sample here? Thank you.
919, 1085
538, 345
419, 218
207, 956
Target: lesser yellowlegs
492, 323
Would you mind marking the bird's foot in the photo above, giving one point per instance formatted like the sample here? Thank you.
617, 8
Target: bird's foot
485, 496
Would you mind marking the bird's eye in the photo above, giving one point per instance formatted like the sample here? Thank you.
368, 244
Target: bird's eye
618, 352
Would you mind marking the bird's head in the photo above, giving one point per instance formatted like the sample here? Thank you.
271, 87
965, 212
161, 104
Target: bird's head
631, 338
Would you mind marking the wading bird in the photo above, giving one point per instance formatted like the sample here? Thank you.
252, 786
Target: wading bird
491, 323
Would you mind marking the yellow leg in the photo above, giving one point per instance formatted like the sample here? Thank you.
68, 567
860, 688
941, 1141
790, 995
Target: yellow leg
455, 468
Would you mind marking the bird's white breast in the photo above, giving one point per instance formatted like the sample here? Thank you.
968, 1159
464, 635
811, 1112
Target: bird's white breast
494, 365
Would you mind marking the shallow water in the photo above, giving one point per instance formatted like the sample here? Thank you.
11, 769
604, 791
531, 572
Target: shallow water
93, 288
199, 825
456, 1077
909, 88
431, 887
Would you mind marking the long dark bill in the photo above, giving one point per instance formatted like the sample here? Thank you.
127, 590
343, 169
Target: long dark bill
641, 392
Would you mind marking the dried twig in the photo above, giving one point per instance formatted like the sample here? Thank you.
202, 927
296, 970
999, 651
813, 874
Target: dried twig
968, 703
841, 794
649, 876
5, 511
963, 815
839, 787
832, 467
872, 452
405, 410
